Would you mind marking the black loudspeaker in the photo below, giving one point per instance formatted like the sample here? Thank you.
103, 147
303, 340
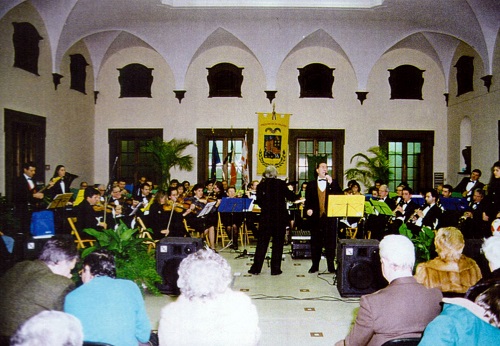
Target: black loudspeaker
358, 271
170, 252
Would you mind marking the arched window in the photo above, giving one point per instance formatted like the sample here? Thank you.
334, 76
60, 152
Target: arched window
77, 67
224, 80
135, 81
316, 80
465, 74
26, 50
406, 82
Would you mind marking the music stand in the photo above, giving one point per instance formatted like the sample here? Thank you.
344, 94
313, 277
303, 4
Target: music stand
381, 207
237, 205
60, 201
346, 206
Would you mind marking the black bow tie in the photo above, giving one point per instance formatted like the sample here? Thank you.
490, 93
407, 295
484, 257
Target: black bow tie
321, 179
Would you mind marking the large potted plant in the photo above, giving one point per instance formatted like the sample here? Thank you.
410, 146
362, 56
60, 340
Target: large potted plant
133, 260
167, 155
370, 168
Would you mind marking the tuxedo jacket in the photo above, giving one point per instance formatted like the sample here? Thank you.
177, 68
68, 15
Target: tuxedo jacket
86, 217
409, 211
391, 203
22, 195
462, 186
432, 215
312, 199
401, 310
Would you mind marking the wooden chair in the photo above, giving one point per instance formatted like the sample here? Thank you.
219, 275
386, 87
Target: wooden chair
350, 232
80, 243
143, 233
221, 232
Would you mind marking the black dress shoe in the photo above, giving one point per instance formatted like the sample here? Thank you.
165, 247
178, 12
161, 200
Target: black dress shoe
278, 272
313, 269
252, 272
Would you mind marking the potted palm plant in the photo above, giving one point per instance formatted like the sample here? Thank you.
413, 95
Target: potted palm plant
370, 168
167, 155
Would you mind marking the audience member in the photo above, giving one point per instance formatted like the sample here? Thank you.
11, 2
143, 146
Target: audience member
464, 323
451, 272
111, 310
34, 286
491, 250
401, 310
208, 312
50, 328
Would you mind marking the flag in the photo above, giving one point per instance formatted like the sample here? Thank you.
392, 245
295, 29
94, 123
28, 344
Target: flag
244, 164
215, 160
232, 181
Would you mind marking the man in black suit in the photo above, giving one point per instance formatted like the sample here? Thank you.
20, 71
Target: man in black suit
25, 197
426, 216
272, 194
377, 224
468, 185
323, 228
403, 211
472, 223
86, 216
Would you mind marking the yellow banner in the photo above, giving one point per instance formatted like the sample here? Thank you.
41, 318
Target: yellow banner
273, 141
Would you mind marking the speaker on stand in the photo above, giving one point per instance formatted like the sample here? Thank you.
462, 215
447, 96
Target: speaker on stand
359, 271
170, 252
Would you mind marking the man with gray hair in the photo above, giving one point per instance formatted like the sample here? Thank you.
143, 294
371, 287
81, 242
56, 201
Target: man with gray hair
401, 310
34, 286
272, 194
49, 328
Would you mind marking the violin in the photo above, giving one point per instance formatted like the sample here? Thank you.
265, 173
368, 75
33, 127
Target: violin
170, 205
100, 208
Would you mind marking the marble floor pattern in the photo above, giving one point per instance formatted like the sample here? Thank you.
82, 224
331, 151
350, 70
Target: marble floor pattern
295, 308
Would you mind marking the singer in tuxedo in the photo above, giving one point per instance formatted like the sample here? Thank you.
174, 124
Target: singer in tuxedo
323, 228
25, 197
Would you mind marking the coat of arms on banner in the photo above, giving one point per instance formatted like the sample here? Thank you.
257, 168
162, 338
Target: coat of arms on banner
273, 141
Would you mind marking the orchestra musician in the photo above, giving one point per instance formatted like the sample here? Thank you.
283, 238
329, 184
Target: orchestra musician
26, 199
205, 224
61, 182
87, 216
144, 199
403, 211
166, 215
427, 215
232, 221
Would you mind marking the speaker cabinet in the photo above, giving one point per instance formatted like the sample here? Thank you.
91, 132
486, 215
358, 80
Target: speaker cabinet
359, 271
170, 252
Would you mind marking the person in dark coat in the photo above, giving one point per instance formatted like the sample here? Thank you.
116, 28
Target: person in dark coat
272, 194
323, 228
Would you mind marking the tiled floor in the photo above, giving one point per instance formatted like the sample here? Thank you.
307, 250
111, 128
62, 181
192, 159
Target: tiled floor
295, 308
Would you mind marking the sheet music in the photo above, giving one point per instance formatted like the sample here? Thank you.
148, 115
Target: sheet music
208, 207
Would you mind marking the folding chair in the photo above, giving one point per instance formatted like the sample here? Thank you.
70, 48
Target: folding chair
143, 233
221, 232
79, 241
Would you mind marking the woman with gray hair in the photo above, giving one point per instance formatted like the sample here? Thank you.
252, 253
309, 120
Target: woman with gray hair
272, 194
208, 311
